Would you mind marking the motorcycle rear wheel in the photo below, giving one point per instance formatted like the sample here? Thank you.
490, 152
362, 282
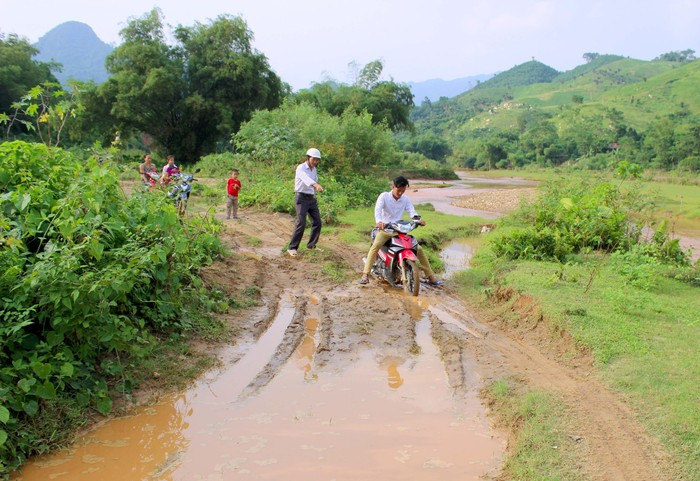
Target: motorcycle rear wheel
411, 278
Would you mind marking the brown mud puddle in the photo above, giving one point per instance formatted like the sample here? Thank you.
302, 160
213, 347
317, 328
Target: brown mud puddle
377, 417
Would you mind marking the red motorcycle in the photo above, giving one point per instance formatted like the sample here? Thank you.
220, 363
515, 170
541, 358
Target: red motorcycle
397, 261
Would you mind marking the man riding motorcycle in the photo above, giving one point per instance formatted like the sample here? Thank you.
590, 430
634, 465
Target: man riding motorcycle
389, 208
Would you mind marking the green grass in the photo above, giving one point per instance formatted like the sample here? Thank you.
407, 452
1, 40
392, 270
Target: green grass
642, 328
680, 204
542, 449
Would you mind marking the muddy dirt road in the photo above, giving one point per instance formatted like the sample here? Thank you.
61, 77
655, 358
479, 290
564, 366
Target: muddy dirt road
341, 381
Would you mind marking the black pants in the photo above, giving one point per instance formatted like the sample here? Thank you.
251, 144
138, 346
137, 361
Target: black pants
306, 204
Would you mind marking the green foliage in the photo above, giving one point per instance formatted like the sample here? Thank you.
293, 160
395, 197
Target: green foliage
387, 102
570, 217
191, 96
524, 74
687, 55
86, 276
44, 109
18, 72
428, 144
350, 143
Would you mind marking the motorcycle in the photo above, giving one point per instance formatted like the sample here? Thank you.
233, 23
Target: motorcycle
153, 180
397, 262
179, 191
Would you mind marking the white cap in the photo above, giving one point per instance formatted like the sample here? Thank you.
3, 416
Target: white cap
314, 153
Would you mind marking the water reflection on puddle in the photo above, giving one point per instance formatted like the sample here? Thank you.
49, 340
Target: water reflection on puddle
379, 418
457, 255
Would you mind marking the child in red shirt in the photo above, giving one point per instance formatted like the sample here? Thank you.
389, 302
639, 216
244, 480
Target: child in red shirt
233, 185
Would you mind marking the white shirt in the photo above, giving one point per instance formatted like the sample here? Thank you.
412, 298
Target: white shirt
387, 209
305, 177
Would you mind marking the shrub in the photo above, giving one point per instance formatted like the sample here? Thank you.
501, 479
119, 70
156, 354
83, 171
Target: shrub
87, 274
570, 217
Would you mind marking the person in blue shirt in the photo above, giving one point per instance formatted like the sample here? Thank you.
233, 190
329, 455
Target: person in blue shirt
305, 188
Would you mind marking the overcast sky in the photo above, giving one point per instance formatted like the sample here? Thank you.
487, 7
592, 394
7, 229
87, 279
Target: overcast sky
309, 41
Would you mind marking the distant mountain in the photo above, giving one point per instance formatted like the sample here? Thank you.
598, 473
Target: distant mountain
434, 89
78, 49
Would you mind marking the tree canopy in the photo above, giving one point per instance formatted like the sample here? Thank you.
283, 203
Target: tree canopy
18, 71
385, 100
188, 97
687, 55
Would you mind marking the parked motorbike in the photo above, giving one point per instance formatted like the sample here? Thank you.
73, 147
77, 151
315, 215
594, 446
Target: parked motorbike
179, 191
153, 180
397, 262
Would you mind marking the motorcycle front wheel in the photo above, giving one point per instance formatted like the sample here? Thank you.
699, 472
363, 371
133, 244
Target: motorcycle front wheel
411, 278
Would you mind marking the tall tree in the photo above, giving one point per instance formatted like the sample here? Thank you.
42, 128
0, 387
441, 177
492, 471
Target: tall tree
191, 96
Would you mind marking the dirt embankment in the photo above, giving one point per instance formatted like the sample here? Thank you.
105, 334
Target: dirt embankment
474, 349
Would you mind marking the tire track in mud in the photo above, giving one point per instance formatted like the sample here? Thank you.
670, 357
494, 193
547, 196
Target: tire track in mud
292, 336
354, 318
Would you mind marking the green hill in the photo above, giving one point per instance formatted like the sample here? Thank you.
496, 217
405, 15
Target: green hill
524, 74
609, 101
595, 63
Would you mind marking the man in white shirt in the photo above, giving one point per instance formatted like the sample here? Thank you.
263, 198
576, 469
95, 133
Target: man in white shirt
389, 208
305, 187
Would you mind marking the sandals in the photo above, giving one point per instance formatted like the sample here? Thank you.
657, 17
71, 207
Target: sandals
435, 283
364, 280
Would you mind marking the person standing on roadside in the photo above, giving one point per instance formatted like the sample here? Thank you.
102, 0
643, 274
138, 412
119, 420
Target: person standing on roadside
305, 187
233, 185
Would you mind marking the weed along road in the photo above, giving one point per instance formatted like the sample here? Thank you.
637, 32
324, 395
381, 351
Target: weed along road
339, 381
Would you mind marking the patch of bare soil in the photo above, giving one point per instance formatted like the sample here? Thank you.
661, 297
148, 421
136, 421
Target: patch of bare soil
352, 318
503, 200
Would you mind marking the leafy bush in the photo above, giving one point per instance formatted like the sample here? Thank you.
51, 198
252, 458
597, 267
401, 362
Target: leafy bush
350, 144
87, 274
582, 215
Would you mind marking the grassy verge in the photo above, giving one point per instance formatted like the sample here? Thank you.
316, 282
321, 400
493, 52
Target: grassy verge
542, 444
640, 325
680, 204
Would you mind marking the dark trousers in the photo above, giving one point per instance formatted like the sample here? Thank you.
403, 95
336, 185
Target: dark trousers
306, 204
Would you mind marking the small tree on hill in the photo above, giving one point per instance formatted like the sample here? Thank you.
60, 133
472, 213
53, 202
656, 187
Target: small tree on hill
682, 56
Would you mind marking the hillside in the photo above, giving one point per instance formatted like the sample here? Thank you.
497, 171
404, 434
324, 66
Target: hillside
652, 108
524, 74
75, 46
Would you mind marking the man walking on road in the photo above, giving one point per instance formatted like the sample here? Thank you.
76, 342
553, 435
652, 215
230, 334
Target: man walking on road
305, 187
